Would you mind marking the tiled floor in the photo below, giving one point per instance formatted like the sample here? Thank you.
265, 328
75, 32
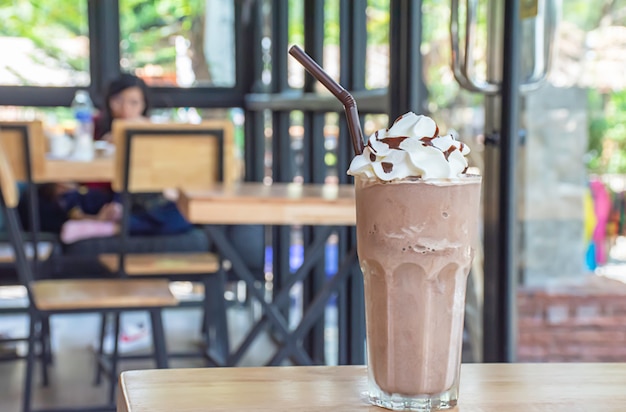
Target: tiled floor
71, 376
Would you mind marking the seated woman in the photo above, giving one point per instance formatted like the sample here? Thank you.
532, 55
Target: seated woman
91, 210
127, 98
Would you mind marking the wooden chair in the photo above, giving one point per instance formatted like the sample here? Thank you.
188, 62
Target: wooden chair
51, 297
153, 157
24, 146
206, 150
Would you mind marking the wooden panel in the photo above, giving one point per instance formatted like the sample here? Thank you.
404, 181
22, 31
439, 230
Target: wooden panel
159, 162
163, 263
14, 146
484, 388
101, 293
278, 204
8, 185
187, 157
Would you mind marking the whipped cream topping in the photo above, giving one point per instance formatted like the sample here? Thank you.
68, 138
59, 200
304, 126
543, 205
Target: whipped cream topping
411, 147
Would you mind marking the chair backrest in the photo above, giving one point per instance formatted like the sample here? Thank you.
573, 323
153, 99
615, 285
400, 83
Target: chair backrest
18, 137
159, 156
9, 199
25, 149
8, 184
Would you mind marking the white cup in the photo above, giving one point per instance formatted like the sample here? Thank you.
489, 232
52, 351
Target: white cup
61, 145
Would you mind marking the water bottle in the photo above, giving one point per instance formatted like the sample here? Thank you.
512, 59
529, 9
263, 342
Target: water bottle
82, 107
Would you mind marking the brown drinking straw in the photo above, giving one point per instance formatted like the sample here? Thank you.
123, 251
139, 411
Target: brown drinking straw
349, 104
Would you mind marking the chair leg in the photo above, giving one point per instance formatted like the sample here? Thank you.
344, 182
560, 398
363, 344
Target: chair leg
158, 339
30, 364
44, 341
204, 328
215, 323
114, 355
100, 354
48, 342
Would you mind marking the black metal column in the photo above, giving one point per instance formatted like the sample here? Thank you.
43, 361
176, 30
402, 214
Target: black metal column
406, 85
251, 62
281, 150
501, 278
353, 44
104, 43
314, 170
508, 182
281, 142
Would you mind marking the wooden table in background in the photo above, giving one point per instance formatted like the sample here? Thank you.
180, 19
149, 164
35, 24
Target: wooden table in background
552, 387
100, 169
276, 204
325, 207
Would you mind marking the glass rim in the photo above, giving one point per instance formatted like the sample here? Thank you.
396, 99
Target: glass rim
443, 181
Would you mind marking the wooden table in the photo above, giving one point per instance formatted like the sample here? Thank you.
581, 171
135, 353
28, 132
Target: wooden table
276, 204
100, 169
552, 387
327, 208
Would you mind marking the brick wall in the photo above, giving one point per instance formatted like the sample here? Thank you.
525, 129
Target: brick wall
582, 322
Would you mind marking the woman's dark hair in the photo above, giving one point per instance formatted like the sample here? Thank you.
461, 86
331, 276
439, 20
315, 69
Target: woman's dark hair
116, 86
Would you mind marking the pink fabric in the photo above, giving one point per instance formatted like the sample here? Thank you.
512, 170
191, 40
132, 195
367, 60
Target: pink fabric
75, 230
602, 207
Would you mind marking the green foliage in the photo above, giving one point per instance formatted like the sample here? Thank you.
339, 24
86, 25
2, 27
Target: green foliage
597, 129
377, 22
377, 15
47, 24
148, 26
588, 15
295, 19
607, 132
331, 22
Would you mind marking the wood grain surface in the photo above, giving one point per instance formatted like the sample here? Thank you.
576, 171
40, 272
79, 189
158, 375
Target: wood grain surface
277, 204
591, 387
99, 169
171, 155
101, 293
145, 264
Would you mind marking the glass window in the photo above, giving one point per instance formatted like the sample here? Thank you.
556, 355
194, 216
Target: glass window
189, 43
330, 61
44, 43
295, 76
331, 41
51, 116
377, 53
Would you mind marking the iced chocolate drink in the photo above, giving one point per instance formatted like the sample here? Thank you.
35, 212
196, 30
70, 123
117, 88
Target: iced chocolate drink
417, 218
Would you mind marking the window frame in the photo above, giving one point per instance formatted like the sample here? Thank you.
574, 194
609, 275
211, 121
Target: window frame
104, 65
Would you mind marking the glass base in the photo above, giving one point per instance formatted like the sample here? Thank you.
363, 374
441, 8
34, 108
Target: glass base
421, 403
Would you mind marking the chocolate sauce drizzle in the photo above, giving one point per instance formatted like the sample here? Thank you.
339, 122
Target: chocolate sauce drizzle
394, 143
450, 150
387, 167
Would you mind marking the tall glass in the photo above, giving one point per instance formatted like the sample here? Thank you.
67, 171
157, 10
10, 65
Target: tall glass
415, 243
